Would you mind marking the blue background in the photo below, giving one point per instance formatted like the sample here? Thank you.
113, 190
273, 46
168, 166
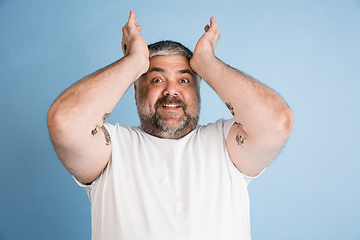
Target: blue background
308, 51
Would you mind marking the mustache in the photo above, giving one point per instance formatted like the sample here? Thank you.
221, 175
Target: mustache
169, 100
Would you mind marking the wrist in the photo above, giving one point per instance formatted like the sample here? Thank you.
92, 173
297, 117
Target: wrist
202, 62
139, 63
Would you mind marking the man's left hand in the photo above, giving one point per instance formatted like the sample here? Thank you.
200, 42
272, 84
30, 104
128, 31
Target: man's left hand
206, 45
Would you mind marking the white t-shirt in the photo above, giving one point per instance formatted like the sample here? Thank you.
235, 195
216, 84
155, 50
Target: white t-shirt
164, 189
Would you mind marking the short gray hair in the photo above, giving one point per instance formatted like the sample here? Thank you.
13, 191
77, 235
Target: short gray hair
168, 48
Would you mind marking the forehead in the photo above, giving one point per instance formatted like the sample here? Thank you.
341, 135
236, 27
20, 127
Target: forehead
169, 63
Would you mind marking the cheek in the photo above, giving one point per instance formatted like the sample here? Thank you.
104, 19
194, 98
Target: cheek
153, 93
143, 107
147, 99
193, 101
144, 95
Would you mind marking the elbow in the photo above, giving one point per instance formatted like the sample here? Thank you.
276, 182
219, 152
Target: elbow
286, 121
57, 122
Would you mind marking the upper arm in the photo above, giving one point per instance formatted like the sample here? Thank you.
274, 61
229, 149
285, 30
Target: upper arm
251, 154
84, 153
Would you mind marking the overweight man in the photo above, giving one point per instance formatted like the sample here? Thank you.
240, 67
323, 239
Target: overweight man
168, 178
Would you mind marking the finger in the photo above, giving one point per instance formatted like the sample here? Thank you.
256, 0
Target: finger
213, 23
207, 27
133, 21
214, 27
138, 27
132, 14
131, 24
132, 17
136, 20
125, 27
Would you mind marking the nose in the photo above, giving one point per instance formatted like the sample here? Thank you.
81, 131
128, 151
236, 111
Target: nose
170, 89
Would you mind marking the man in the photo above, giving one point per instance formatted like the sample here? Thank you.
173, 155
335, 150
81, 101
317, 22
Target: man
169, 178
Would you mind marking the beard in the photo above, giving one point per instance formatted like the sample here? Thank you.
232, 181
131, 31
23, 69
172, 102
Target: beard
155, 124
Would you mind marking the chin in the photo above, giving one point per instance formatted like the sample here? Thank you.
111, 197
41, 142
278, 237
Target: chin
171, 127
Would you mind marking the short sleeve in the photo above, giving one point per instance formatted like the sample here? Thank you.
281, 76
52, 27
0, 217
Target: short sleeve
227, 124
87, 187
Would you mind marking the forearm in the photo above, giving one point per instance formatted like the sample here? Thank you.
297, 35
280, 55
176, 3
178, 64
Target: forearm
83, 108
76, 118
255, 107
263, 119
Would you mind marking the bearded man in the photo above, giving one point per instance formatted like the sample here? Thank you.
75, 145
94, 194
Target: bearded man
169, 178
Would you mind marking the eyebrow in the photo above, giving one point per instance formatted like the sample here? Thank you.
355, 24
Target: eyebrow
156, 69
181, 71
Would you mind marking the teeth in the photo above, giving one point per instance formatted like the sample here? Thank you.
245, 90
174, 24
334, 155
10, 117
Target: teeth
170, 105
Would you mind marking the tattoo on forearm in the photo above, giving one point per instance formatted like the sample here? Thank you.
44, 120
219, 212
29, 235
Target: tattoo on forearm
230, 107
107, 135
238, 124
102, 127
105, 117
95, 130
239, 139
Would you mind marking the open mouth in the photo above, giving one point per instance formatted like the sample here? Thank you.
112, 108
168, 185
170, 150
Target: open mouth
171, 105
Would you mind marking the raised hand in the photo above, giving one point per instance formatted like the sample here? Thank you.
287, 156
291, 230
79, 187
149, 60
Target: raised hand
133, 43
207, 43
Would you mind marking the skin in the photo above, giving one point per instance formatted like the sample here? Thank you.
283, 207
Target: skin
168, 76
263, 119
79, 110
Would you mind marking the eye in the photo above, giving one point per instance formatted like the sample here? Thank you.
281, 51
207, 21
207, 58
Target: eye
156, 80
184, 80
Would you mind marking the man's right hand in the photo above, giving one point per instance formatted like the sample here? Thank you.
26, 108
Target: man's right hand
76, 118
133, 43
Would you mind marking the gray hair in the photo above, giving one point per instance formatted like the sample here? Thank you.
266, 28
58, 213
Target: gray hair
169, 48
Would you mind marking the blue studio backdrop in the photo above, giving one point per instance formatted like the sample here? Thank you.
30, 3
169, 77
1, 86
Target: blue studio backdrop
308, 51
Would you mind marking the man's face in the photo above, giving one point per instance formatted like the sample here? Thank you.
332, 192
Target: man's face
167, 97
